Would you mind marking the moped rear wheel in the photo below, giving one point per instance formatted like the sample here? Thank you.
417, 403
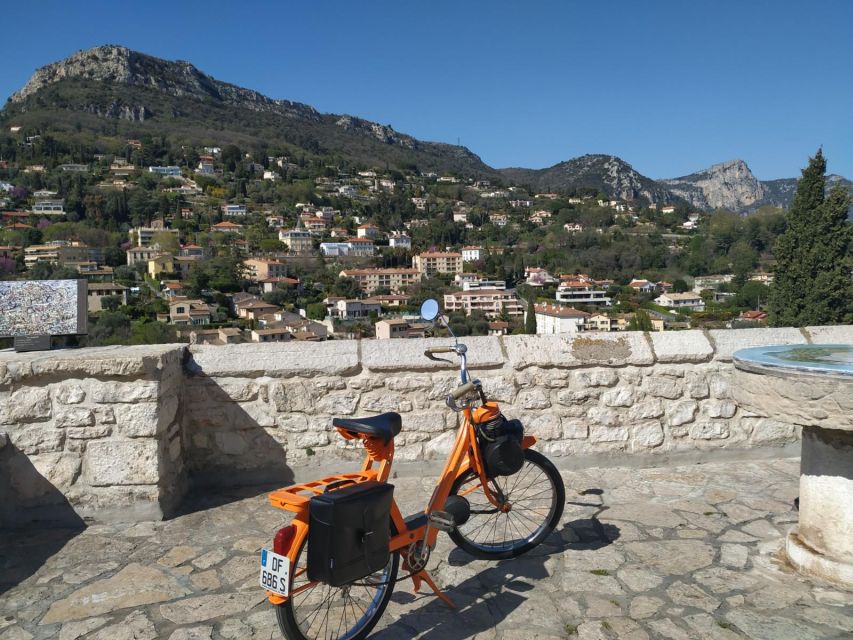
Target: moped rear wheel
535, 497
323, 612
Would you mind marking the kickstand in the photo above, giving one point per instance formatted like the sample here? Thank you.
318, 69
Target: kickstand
425, 577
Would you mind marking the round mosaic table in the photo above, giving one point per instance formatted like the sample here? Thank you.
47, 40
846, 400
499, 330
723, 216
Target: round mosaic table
811, 386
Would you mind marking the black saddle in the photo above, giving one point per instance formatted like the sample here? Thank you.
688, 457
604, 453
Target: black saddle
385, 425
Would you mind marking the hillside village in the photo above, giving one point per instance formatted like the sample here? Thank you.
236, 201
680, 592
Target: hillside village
218, 244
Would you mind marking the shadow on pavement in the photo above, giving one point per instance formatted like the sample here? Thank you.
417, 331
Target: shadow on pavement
36, 519
486, 599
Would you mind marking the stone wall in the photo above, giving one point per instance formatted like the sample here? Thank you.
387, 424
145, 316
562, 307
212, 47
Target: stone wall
123, 431
90, 433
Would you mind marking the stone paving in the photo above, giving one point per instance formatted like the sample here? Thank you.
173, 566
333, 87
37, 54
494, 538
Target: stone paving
676, 553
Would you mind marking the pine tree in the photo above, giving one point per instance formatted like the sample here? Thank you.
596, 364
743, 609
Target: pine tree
812, 282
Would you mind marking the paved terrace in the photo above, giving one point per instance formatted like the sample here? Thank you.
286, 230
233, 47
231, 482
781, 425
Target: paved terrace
680, 552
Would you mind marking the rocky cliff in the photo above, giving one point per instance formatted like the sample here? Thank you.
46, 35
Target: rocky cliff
606, 173
174, 97
728, 185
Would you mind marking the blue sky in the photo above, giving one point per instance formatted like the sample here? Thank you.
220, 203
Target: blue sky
670, 86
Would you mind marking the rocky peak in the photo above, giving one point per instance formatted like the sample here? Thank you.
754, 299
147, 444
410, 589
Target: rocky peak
115, 64
730, 185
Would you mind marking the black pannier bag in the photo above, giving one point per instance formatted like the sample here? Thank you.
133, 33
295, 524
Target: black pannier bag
500, 445
349, 531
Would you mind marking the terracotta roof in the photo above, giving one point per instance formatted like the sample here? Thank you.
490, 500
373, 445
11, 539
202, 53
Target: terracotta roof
559, 311
440, 254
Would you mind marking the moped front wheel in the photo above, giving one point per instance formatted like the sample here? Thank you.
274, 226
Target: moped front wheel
323, 612
534, 500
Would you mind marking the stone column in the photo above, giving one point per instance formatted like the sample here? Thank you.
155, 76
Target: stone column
822, 544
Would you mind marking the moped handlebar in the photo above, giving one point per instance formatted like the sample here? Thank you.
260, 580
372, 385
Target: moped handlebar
434, 350
464, 389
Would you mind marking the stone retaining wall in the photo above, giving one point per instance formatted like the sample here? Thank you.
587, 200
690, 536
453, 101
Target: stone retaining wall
91, 433
122, 431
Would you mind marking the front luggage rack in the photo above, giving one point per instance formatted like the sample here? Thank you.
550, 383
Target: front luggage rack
296, 496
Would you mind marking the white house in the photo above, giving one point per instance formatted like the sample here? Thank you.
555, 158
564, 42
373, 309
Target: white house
234, 210
681, 301
552, 318
472, 254
642, 286
399, 241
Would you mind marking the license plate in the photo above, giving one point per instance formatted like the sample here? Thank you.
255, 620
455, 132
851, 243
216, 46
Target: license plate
275, 572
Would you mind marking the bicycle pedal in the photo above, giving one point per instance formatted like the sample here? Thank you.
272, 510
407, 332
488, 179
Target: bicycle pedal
442, 521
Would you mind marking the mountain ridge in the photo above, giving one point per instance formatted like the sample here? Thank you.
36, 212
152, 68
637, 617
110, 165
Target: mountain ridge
140, 91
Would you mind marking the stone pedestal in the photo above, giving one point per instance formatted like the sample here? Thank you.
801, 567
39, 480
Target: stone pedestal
812, 387
822, 544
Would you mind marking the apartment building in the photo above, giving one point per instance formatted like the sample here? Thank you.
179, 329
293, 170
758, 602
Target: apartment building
582, 292
263, 269
491, 302
432, 262
59, 252
371, 280
144, 236
299, 241
553, 319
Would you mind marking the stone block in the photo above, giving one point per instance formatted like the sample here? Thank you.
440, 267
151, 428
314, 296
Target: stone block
697, 385
29, 404
69, 393
37, 438
727, 341
533, 399
618, 397
75, 417
338, 404
652, 408
679, 413
408, 355
88, 433
501, 389
293, 423
647, 435
121, 462
439, 447
681, 346
42, 474
603, 416
709, 430
839, 334
232, 443
313, 438
125, 392
545, 426
663, 387
719, 408
575, 429
594, 378
569, 397
578, 350
765, 430
428, 422
279, 360
608, 434
385, 401
140, 420
296, 395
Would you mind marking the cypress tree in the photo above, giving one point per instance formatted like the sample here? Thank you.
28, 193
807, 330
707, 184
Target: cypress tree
530, 318
812, 282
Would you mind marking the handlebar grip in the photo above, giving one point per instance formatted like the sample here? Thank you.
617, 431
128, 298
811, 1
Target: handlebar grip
433, 350
462, 390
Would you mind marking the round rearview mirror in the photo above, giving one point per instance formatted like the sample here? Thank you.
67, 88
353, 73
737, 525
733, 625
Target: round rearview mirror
429, 309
